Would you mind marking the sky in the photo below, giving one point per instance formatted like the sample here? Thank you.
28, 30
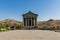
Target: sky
46, 9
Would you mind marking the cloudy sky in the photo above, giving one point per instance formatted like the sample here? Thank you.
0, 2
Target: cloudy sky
46, 9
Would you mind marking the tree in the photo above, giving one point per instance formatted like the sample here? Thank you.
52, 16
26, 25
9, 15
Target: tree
19, 26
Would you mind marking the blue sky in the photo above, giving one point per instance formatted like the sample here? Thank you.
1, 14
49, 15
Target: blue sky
46, 9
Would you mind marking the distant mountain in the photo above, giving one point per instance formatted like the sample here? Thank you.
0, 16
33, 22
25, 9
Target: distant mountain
11, 21
50, 24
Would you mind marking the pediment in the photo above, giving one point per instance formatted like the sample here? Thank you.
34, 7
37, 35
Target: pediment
30, 14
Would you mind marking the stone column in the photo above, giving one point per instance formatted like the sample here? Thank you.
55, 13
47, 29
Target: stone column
31, 21
34, 21
28, 21
24, 21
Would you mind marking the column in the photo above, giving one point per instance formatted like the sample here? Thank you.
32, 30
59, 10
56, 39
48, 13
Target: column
23, 22
28, 21
31, 21
34, 22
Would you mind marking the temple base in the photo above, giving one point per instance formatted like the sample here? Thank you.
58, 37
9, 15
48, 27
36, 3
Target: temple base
30, 27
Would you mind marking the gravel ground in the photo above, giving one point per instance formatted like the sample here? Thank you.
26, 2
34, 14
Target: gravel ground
29, 35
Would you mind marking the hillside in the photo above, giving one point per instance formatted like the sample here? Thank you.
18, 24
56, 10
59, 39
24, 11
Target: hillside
50, 24
10, 24
10, 21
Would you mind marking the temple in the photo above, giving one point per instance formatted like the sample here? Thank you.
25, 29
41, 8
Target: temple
30, 20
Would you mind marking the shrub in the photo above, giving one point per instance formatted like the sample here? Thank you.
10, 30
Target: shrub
19, 26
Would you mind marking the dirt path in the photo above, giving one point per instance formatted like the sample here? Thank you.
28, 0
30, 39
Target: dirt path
29, 35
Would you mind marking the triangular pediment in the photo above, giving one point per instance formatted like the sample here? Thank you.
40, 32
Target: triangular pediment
30, 14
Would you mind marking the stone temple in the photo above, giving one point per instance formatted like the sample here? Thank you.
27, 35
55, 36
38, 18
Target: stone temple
30, 20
